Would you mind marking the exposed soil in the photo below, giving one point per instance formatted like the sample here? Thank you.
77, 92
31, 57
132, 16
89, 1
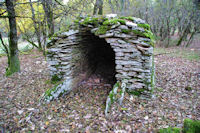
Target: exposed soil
83, 109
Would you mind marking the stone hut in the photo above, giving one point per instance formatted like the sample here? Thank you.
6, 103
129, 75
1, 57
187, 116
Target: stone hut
121, 46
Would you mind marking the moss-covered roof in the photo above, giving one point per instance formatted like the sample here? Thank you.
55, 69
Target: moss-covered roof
100, 25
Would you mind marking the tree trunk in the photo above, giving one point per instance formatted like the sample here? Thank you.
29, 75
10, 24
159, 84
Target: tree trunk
190, 39
35, 26
111, 6
123, 3
183, 36
168, 31
14, 59
49, 15
98, 7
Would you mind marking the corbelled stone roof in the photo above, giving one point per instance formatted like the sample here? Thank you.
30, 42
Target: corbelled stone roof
111, 26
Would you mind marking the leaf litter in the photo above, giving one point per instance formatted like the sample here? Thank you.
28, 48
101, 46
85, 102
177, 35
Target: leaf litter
83, 109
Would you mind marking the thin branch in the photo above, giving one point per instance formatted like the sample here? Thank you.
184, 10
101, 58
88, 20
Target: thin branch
59, 3
4, 45
2, 13
15, 16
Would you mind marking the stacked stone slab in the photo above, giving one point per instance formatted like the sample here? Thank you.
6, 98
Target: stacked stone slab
129, 37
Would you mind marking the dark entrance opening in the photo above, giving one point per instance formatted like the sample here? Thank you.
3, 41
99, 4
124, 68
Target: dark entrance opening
100, 60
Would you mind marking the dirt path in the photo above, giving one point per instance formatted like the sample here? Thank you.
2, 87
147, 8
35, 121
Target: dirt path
84, 111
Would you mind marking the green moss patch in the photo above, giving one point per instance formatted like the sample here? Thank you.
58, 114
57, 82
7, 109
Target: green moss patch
102, 30
112, 95
55, 79
145, 26
140, 33
191, 126
114, 21
90, 20
128, 18
170, 130
137, 92
146, 33
50, 91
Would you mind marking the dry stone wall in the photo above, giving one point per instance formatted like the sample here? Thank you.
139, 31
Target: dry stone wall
129, 37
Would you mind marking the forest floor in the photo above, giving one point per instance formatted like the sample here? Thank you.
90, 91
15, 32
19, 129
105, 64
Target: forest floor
177, 71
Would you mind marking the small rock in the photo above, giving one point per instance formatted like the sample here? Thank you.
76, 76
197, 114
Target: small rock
49, 117
20, 112
121, 41
111, 40
124, 27
38, 62
88, 116
134, 41
70, 32
106, 35
90, 26
94, 30
131, 24
122, 35
146, 117
131, 98
64, 130
109, 16
30, 109
115, 26
97, 80
138, 20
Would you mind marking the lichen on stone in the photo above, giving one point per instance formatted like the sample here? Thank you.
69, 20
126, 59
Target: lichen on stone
117, 93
